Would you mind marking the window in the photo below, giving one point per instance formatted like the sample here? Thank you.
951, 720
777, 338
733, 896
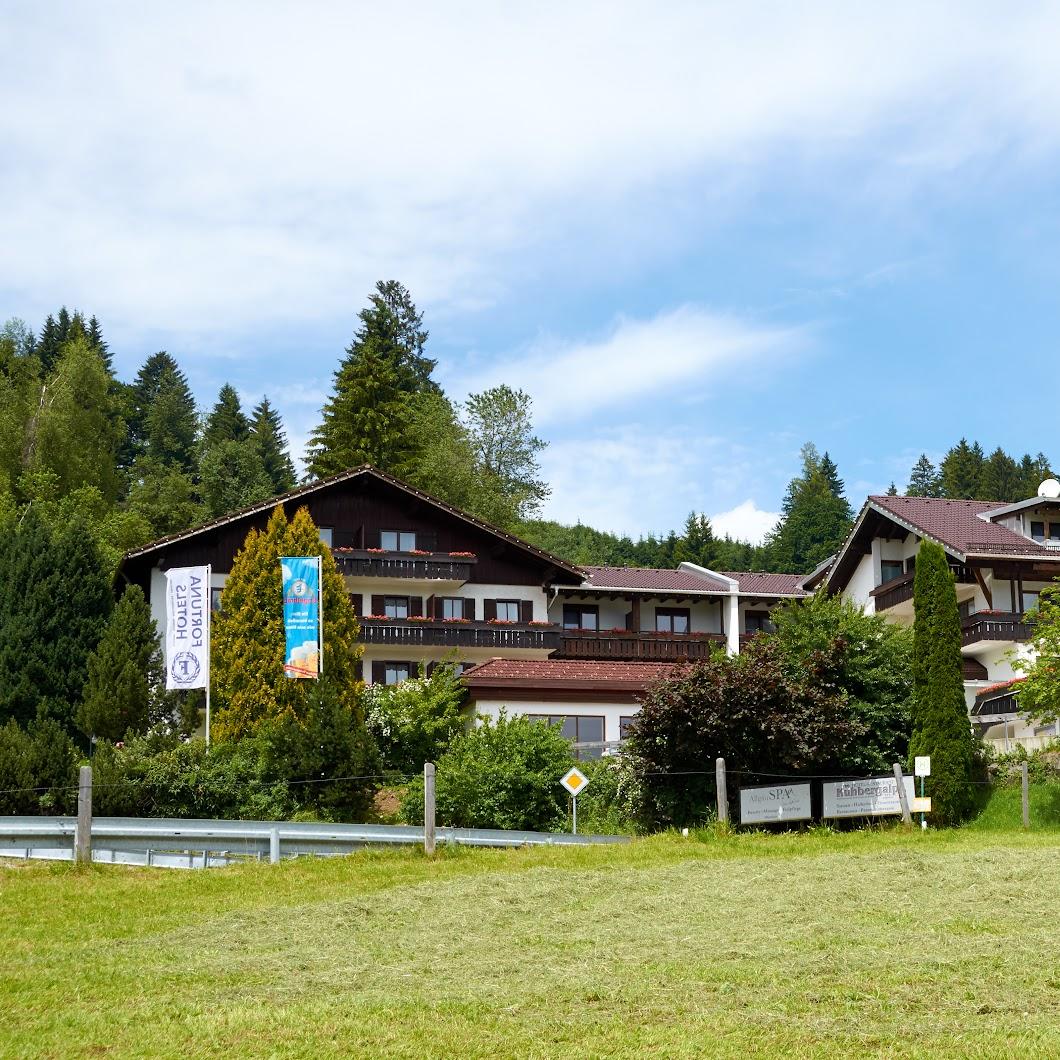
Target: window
508, 610
395, 672
1038, 530
964, 608
581, 616
396, 606
671, 620
623, 726
579, 731
326, 535
1030, 601
758, 622
891, 568
397, 540
215, 599
450, 607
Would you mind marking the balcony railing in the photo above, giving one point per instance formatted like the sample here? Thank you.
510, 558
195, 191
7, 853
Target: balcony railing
431, 634
898, 590
433, 566
994, 625
616, 644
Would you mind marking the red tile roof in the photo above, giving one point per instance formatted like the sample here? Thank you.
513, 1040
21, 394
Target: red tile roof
566, 673
957, 524
651, 578
762, 584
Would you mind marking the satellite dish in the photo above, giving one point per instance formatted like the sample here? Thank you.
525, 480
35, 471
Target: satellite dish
1049, 488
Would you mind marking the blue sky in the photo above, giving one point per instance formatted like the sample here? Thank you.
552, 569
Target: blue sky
698, 235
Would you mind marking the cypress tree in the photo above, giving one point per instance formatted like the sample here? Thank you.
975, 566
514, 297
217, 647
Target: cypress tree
125, 687
270, 439
941, 727
54, 602
924, 479
226, 422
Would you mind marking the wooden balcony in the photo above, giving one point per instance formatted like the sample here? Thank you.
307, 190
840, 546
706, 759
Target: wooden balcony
629, 646
994, 625
433, 566
410, 633
898, 590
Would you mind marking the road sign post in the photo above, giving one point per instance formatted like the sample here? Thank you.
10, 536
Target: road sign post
574, 780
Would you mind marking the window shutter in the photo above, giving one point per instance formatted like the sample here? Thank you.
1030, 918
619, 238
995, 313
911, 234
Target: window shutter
378, 673
469, 608
526, 610
489, 609
416, 606
378, 605
433, 608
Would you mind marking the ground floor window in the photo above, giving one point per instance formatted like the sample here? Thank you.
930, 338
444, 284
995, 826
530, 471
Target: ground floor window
396, 672
579, 730
758, 622
623, 725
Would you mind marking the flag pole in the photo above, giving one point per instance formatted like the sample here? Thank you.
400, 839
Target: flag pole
320, 614
209, 653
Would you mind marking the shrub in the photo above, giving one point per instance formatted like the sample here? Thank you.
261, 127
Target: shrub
502, 774
613, 802
38, 769
415, 722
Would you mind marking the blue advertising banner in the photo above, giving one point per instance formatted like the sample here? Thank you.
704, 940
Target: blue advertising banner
301, 615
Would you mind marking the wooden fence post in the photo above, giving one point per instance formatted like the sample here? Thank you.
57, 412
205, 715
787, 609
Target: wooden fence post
723, 794
903, 801
83, 832
1026, 785
428, 807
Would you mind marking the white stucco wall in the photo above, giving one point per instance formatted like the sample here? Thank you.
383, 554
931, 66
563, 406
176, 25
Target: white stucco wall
612, 713
862, 582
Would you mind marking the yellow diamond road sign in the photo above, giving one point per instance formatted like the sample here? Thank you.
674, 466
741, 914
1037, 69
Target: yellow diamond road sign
574, 780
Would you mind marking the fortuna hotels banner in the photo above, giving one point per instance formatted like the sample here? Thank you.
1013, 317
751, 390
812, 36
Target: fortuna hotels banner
188, 627
301, 615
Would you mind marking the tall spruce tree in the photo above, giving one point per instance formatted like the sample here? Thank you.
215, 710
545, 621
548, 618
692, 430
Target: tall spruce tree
1034, 470
941, 727
55, 599
266, 428
1000, 480
162, 419
226, 422
696, 544
924, 480
125, 687
961, 471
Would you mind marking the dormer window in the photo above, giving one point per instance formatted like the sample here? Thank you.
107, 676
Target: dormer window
1038, 530
891, 569
1046, 533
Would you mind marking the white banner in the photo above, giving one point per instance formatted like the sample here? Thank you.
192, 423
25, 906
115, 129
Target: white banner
188, 627
785, 802
875, 797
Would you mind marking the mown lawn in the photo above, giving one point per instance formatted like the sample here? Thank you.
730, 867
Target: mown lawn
812, 944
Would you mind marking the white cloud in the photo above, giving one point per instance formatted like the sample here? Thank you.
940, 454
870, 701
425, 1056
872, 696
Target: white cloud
202, 166
745, 522
681, 350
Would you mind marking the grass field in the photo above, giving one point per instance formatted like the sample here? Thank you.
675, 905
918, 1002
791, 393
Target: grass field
862, 943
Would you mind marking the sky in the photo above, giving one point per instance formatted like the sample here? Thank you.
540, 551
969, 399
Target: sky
698, 235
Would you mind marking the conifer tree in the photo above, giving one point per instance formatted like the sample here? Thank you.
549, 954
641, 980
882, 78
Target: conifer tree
226, 422
892, 490
231, 476
696, 544
1033, 472
941, 727
250, 689
961, 471
924, 479
125, 687
266, 428
162, 420
55, 598
1000, 480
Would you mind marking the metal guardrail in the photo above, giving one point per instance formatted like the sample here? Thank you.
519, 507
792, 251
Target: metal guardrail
174, 843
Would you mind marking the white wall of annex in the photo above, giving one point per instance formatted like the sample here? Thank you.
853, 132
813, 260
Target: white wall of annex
612, 713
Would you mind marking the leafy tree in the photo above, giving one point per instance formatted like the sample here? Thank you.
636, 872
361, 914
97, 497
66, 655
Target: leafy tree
125, 688
1039, 692
266, 429
226, 422
249, 685
756, 710
232, 477
961, 471
500, 426
815, 516
415, 722
501, 774
166, 499
940, 718
924, 480
873, 660
54, 602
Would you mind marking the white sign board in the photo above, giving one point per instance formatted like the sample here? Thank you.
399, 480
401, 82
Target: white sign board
188, 627
574, 780
875, 797
922, 765
786, 802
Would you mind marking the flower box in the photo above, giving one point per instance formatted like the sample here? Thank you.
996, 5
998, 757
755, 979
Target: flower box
377, 551
418, 618
501, 622
456, 621
538, 622
419, 552
376, 618
462, 555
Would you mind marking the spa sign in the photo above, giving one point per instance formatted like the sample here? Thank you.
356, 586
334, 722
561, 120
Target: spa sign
783, 802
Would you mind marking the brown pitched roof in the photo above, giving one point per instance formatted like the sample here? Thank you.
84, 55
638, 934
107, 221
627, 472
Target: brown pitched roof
573, 674
956, 524
763, 584
651, 578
